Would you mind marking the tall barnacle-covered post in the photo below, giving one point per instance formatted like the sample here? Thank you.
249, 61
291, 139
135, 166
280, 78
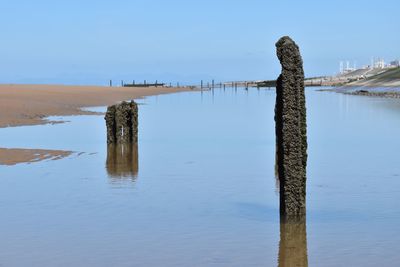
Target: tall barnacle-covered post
122, 123
291, 131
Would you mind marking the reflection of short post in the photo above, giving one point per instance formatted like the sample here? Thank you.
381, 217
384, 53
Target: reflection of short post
122, 123
293, 244
122, 160
291, 131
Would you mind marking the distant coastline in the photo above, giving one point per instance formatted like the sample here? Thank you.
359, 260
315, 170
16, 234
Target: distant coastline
371, 78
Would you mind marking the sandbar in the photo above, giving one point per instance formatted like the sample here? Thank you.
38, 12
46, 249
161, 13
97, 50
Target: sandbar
15, 156
31, 104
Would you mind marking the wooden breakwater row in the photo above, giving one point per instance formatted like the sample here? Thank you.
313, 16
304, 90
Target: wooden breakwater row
272, 84
309, 82
202, 85
144, 84
237, 84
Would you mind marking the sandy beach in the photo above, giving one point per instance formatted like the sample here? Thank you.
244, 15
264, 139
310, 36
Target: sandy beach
32, 104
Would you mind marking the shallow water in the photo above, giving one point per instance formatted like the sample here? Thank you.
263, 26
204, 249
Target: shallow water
200, 190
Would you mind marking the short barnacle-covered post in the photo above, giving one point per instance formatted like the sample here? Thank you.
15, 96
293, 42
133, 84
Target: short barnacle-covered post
291, 131
122, 123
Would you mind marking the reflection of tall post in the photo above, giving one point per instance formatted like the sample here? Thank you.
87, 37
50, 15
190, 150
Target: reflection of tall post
122, 160
293, 244
291, 131
122, 123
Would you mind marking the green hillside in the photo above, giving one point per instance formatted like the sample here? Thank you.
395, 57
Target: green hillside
390, 75
389, 78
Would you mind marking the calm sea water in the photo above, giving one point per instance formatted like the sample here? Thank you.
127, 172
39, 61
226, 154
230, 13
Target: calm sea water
200, 188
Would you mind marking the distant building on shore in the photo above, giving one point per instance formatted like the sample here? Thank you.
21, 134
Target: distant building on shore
395, 63
343, 69
378, 63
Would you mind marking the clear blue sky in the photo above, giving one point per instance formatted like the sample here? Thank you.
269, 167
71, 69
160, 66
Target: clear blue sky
91, 41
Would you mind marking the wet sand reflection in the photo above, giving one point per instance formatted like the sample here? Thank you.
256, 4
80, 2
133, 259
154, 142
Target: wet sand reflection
122, 161
293, 244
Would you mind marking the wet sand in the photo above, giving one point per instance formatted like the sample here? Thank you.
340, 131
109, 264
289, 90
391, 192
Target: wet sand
15, 156
31, 104
384, 92
374, 94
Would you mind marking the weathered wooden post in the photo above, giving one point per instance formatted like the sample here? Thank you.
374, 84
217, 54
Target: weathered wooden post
110, 83
212, 85
201, 84
122, 123
291, 131
122, 139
